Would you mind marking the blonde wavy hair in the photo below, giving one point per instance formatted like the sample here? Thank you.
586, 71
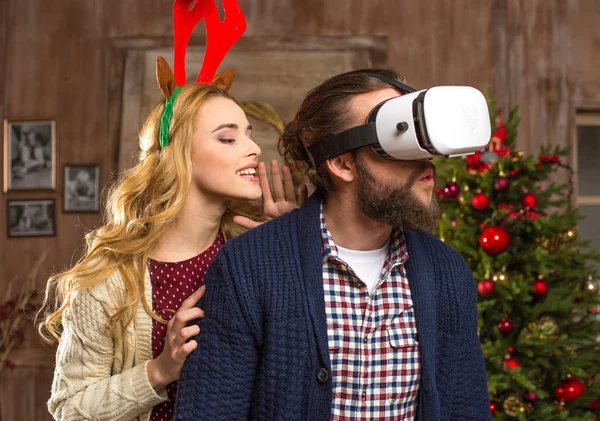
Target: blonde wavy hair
140, 207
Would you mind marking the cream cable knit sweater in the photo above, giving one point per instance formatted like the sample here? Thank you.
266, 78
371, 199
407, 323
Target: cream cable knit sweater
93, 380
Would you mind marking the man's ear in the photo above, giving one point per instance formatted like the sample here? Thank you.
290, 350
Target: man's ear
342, 167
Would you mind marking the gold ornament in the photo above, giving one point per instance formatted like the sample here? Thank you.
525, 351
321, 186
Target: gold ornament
553, 243
500, 277
550, 243
569, 235
559, 407
544, 326
513, 405
592, 285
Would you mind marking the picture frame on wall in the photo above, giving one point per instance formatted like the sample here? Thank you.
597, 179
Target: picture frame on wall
81, 188
31, 218
29, 155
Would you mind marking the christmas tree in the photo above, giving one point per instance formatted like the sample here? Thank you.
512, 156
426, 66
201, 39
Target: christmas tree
537, 286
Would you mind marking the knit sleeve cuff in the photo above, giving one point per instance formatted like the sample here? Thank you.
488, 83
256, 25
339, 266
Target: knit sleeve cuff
143, 390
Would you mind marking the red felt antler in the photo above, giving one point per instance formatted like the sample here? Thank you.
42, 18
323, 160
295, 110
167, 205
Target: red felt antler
185, 19
220, 36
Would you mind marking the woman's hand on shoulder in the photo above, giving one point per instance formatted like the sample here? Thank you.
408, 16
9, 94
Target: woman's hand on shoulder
166, 368
279, 199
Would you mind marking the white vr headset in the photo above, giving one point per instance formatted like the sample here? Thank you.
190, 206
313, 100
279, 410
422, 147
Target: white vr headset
443, 121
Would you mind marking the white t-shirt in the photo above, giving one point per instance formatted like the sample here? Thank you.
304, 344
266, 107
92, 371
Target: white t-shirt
366, 264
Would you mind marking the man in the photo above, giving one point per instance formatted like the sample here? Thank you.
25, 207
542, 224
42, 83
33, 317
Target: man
344, 309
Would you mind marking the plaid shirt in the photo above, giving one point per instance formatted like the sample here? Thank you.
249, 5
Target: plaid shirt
373, 344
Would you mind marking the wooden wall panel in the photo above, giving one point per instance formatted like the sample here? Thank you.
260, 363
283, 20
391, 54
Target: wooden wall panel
344, 17
268, 17
449, 43
548, 66
4, 38
55, 69
138, 18
539, 56
584, 67
25, 393
54, 66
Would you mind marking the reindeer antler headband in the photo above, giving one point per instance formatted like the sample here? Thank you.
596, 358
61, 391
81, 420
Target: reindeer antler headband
220, 36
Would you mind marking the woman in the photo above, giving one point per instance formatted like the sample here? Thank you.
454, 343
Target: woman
122, 345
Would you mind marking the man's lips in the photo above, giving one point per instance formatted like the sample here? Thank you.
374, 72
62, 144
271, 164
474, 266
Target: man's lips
427, 175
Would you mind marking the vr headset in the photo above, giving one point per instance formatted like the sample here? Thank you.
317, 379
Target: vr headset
444, 121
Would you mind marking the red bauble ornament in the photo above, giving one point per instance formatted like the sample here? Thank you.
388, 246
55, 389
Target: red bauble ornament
569, 390
494, 240
480, 201
493, 407
440, 193
529, 200
511, 362
501, 183
531, 397
486, 287
452, 190
506, 326
540, 287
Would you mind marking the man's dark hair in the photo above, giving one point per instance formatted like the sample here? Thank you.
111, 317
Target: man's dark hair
324, 112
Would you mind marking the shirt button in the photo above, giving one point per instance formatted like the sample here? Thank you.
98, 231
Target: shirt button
323, 375
365, 339
364, 394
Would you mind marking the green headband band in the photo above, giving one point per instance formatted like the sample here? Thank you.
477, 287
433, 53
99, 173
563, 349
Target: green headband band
165, 119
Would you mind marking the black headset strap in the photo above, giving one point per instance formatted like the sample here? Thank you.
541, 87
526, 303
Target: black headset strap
354, 138
405, 89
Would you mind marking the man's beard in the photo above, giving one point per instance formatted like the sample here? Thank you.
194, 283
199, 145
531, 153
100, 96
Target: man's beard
398, 207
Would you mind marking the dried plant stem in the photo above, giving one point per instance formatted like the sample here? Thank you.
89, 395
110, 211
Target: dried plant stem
15, 315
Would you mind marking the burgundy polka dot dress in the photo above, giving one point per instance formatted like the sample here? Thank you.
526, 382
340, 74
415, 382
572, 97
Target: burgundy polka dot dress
172, 283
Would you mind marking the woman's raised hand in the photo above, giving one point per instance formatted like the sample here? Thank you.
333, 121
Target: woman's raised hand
281, 199
166, 368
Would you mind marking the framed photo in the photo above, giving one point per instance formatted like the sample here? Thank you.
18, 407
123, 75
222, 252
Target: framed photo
29, 155
31, 218
82, 188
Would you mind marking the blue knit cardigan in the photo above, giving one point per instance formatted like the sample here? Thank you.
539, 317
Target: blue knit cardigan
262, 352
